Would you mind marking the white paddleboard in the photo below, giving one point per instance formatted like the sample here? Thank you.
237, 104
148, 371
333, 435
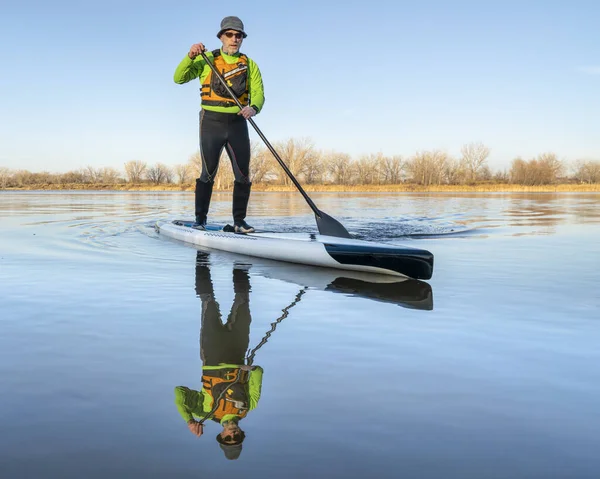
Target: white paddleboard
308, 249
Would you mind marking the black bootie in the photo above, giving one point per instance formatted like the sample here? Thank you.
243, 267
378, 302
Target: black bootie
241, 196
202, 197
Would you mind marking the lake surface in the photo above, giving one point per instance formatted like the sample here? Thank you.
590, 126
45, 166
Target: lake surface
489, 370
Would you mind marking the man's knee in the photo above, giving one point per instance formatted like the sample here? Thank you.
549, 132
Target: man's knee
205, 178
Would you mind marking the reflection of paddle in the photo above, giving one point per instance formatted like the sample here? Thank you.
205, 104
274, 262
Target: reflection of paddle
286, 310
326, 224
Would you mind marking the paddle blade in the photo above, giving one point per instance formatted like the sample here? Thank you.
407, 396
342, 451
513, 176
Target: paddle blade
331, 227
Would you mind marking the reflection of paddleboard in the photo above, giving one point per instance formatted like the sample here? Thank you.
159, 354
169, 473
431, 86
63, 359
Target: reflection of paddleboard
413, 294
405, 292
310, 249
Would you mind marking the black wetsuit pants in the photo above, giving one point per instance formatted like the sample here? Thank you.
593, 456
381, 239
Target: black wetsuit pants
229, 131
218, 131
223, 343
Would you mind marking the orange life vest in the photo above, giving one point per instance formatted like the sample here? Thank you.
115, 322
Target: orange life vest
213, 93
235, 398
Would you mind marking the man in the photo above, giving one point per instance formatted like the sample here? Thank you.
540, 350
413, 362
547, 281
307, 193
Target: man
222, 123
230, 388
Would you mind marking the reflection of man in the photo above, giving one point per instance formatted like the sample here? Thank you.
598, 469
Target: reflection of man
229, 387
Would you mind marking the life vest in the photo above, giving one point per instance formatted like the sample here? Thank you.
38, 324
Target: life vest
213, 93
235, 398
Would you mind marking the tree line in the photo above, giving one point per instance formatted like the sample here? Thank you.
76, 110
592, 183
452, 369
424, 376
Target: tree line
314, 167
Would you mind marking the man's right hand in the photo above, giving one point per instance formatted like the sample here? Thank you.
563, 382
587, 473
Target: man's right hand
195, 427
195, 50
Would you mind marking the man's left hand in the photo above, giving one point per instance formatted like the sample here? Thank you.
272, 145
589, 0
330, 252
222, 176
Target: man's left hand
247, 112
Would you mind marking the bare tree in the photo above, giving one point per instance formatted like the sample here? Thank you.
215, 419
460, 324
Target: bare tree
168, 174
362, 168
485, 174
18, 177
73, 177
261, 164
518, 171
195, 164
391, 169
91, 175
109, 176
41, 178
454, 172
501, 177
225, 176
552, 168
295, 153
474, 157
427, 167
367, 169
339, 166
314, 169
587, 171
543, 170
5, 175
134, 170
182, 173
158, 173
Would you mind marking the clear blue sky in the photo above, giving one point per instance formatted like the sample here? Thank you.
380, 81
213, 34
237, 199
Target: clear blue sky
91, 83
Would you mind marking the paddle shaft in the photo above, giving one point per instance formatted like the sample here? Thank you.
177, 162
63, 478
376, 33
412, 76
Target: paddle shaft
260, 133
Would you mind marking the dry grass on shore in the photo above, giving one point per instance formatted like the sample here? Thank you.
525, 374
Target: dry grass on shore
477, 188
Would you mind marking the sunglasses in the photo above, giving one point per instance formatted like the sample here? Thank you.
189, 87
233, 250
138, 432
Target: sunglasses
237, 35
234, 438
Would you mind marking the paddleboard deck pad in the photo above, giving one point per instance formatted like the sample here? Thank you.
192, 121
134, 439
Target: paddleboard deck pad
307, 248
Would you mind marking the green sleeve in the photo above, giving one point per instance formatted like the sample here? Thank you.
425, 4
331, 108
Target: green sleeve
186, 400
257, 91
188, 69
255, 385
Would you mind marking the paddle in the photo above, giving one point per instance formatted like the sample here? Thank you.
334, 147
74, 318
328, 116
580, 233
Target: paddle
325, 223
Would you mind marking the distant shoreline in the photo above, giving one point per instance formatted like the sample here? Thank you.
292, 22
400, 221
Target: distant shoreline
401, 188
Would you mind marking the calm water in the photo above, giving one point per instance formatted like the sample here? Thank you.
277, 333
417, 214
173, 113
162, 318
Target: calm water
489, 370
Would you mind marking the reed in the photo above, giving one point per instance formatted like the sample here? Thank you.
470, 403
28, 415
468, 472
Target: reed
399, 188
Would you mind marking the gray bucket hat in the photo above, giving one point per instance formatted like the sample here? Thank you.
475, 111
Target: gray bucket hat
231, 452
231, 23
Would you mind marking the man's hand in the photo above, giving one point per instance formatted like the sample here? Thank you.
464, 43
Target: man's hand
195, 50
195, 427
247, 112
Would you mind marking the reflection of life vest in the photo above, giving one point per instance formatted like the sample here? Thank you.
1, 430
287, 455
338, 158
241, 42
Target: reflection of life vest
213, 93
235, 398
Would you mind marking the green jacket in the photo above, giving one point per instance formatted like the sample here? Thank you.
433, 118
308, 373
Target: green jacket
196, 405
189, 69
